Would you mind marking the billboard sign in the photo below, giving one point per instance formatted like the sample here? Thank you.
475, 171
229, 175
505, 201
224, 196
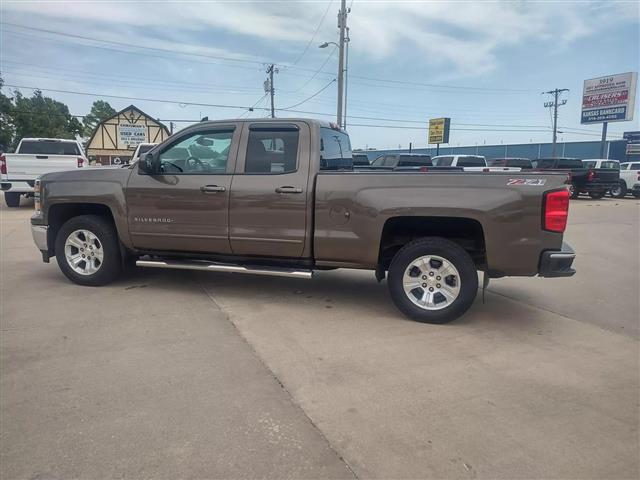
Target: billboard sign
439, 130
609, 99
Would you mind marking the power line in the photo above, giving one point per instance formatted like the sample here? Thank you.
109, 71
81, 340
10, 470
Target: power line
290, 109
313, 37
309, 98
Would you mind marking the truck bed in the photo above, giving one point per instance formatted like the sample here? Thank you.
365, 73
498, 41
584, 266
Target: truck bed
352, 208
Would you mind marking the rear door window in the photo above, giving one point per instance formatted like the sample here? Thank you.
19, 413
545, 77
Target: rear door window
544, 163
589, 164
49, 147
634, 166
272, 150
610, 165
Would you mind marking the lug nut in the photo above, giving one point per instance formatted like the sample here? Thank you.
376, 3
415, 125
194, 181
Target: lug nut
437, 278
424, 277
424, 285
83, 256
431, 289
82, 249
431, 274
438, 285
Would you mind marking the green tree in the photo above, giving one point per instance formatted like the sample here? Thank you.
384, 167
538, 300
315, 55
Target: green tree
7, 130
40, 116
100, 110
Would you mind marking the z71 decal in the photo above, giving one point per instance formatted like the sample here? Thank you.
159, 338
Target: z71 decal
535, 182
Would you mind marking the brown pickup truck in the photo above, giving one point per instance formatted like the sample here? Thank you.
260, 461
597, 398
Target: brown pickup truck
280, 197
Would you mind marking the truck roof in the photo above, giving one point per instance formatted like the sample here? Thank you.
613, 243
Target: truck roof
321, 123
48, 140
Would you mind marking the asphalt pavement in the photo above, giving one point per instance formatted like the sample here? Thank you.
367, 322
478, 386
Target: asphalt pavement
170, 374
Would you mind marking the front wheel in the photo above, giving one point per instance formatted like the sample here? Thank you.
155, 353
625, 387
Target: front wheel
596, 195
88, 251
12, 199
433, 280
620, 190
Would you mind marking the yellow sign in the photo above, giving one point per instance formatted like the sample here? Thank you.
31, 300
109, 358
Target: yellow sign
439, 130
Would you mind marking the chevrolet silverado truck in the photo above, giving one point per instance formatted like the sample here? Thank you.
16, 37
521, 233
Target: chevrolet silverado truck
35, 157
280, 197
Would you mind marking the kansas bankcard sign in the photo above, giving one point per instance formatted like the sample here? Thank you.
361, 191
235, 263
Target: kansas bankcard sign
609, 99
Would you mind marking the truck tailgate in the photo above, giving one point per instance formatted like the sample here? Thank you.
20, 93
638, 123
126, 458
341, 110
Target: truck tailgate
29, 167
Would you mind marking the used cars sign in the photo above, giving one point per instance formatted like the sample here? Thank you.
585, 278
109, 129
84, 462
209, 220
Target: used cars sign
609, 99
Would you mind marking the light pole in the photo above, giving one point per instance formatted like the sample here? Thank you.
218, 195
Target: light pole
342, 26
344, 72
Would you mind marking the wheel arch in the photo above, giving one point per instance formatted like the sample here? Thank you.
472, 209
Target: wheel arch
59, 213
464, 231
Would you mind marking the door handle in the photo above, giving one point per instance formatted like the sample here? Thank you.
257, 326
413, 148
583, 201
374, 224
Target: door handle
212, 189
288, 189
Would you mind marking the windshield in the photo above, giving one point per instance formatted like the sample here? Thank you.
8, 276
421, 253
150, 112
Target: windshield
611, 165
569, 163
414, 161
49, 147
472, 162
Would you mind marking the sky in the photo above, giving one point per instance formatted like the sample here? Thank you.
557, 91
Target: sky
483, 64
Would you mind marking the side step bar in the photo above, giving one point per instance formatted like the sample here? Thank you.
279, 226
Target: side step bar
219, 267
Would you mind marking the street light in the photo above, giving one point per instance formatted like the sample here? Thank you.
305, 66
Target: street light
343, 74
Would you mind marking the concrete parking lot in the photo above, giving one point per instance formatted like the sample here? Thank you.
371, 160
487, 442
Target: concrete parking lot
182, 374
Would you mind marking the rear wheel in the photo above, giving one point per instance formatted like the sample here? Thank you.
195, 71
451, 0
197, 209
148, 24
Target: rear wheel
620, 190
87, 250
596, 195
573, 191
12, 199
433, 280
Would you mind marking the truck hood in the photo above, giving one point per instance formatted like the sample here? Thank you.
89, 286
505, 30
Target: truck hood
89, 174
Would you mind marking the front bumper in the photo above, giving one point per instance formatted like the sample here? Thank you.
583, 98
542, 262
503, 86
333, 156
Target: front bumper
557, 263
39, 234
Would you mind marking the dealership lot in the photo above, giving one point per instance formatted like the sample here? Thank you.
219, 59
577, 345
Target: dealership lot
167, 374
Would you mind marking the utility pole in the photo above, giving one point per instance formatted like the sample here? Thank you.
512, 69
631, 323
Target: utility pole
555, 106
268, 87
346, 76
342, 25
603, 141
171, 127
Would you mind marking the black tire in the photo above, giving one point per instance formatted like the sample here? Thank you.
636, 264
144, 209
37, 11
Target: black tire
636, 194
107, 236
622, 192
596, 195
454, 254
573, 191
12, 199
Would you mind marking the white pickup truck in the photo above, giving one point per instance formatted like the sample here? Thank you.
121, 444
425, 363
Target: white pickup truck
629, 180
35, 157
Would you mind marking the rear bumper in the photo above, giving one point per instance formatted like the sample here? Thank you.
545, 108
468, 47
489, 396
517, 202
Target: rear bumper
596, 187
18, 186
557, 263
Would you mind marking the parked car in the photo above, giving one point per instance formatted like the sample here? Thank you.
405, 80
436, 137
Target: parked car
513, 162
140, 150
35, 157
266, 199
468, 162
629, 180
593, 181
394, 160
360, 159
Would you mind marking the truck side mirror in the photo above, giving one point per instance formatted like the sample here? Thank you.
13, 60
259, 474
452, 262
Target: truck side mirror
148, 165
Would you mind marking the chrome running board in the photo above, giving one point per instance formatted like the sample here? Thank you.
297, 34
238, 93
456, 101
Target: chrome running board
219, 267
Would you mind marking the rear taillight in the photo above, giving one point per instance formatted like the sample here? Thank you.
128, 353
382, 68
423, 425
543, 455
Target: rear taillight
37, 195
80, 162
591, 175
556, 210
3, 165
424, 169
